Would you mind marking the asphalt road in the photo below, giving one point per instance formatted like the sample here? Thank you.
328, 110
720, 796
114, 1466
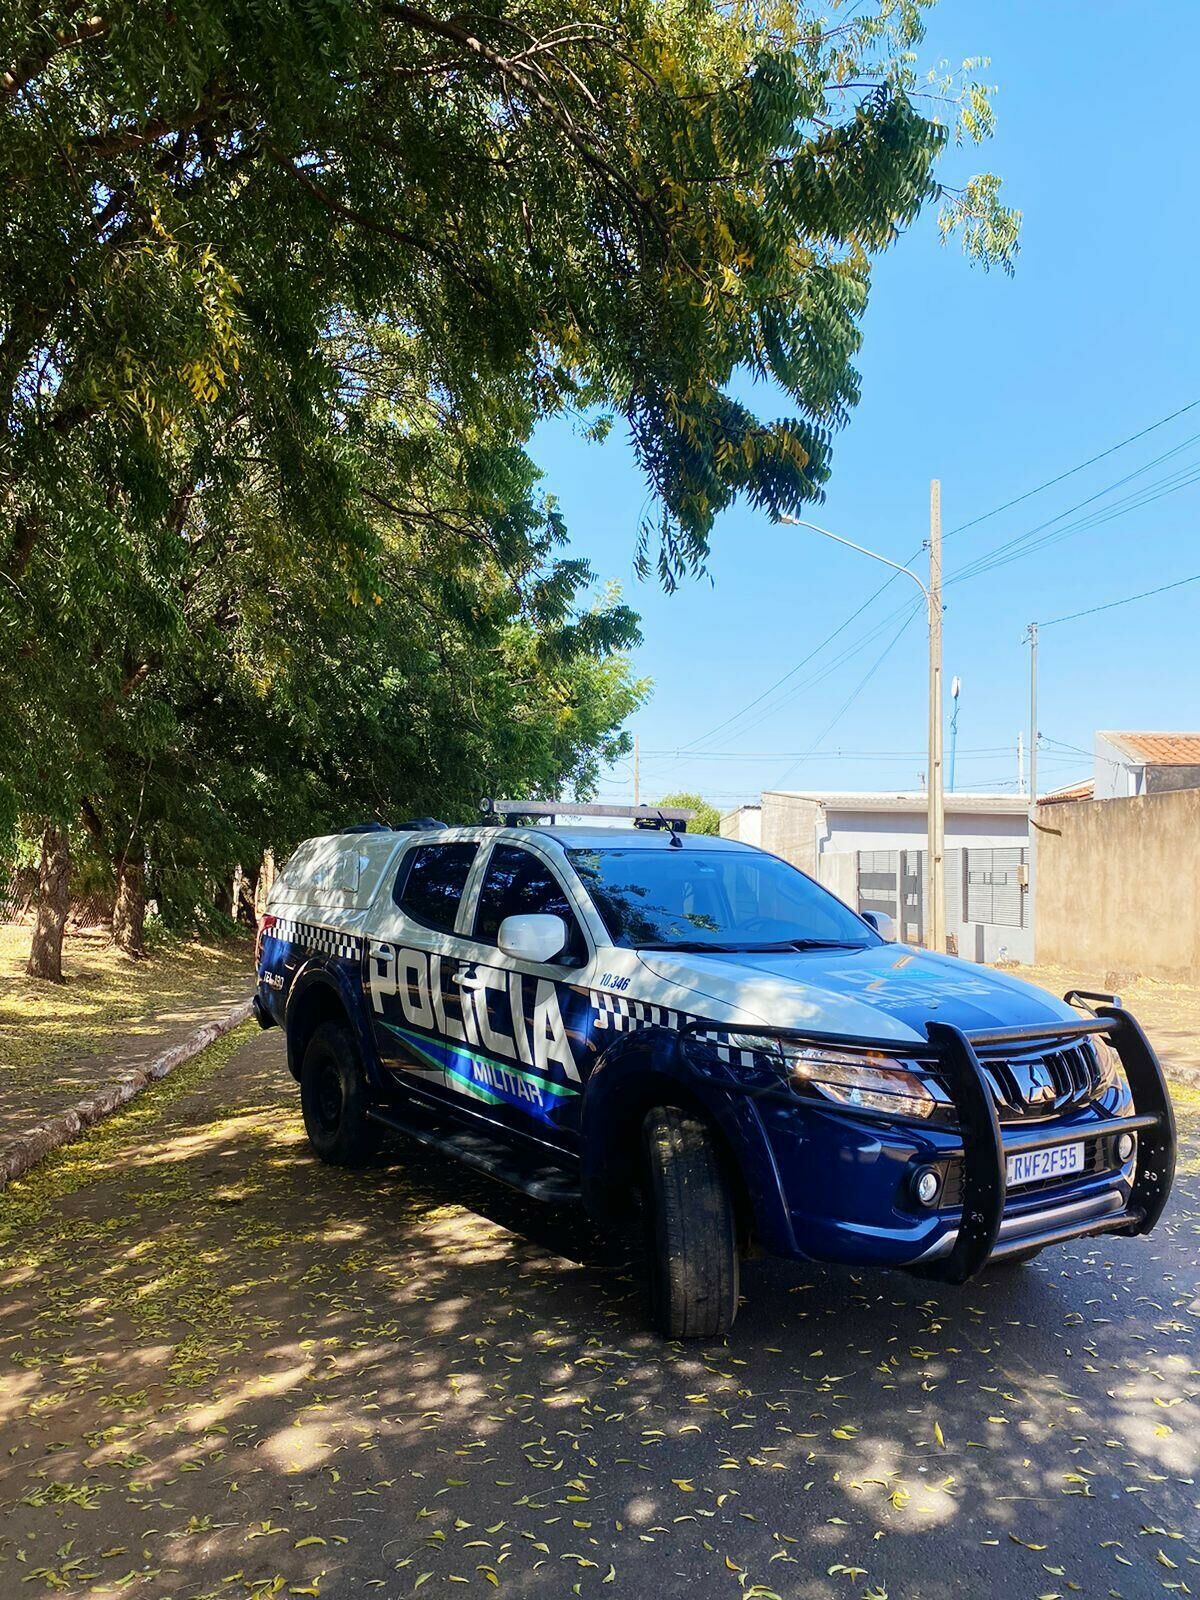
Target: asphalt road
228, 1371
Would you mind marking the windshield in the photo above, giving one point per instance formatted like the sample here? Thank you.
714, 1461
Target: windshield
688, 899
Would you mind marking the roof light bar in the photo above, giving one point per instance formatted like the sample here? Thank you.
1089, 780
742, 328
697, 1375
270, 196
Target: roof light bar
674, 818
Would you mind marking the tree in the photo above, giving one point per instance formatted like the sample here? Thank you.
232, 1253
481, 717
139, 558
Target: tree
707, 818
53, 900
615, 209
283, 293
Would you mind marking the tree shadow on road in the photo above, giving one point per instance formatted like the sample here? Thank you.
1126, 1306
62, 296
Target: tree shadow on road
259, 1369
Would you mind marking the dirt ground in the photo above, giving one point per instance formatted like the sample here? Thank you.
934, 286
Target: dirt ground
58, 1041
230, 1373
1169, 1012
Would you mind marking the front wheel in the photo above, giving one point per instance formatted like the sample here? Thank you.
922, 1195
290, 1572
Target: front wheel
691, 1226
333, 1097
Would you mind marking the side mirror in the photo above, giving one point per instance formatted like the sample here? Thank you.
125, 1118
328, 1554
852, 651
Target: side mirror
532, 936
884, 926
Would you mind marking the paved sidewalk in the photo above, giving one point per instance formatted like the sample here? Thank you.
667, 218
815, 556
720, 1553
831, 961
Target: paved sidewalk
60, 1043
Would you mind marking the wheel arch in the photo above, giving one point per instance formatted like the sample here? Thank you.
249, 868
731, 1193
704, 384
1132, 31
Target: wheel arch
649, 1069
321, 994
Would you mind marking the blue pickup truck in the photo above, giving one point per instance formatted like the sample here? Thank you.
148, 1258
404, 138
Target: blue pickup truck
694, 1037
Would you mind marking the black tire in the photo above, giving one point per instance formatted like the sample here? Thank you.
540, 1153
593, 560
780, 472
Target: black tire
691, 1228
334, 1098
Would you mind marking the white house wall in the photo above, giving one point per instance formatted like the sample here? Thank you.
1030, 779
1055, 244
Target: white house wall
1115, 776
905, 830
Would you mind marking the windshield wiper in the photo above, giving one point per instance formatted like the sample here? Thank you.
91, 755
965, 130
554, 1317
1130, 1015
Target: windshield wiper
698, 946
825, 944
772, 947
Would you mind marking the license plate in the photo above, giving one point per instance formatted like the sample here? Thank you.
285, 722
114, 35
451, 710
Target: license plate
1060, 1161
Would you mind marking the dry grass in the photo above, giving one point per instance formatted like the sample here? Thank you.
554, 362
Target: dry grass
44, 1024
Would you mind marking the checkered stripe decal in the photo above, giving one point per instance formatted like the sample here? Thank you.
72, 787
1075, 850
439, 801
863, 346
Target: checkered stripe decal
620, 1015
326, 941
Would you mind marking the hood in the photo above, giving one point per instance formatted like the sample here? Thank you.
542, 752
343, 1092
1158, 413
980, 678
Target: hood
887, 991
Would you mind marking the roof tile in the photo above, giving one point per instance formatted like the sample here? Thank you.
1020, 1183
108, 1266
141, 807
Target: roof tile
1158, 749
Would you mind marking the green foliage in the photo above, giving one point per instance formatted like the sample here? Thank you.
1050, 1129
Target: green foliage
707, 818
283, 293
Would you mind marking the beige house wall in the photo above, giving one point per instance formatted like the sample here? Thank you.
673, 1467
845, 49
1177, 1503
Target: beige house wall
838, 871
1118, 885
789, 829
743, 824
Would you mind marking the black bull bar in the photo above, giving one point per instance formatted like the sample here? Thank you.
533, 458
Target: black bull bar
983, 1153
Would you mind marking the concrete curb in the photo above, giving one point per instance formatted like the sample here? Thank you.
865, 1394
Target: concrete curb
36, 1143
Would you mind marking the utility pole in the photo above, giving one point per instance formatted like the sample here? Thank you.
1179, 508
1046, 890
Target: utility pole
637, 770
935, 922
935, 919
1033, 727
1033, 748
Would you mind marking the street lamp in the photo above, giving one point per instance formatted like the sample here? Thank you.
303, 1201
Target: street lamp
935, 876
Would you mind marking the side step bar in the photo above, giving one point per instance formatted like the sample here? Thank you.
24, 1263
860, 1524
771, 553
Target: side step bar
548, 1183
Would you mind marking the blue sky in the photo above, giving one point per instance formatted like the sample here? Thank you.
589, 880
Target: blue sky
993, 385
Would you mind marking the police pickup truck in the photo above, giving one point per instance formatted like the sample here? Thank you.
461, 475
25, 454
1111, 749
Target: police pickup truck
688, 1030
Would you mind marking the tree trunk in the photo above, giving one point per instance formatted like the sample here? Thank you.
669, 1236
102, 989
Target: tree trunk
54, 901
129, 911
264, 881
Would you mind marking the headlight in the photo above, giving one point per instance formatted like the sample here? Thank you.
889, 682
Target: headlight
1108, 1074
868, 1081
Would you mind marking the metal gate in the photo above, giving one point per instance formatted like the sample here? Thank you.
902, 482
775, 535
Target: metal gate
892, 881
986, 887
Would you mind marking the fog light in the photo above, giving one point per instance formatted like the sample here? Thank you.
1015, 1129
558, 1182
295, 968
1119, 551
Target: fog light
1124, 1147
927, 1185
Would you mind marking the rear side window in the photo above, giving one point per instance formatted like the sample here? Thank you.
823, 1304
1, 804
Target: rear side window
431, 882
519, 882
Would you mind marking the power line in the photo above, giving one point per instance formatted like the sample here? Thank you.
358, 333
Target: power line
839, 755
1071, 471
1092, 755
1024, 544
1128, 600
792, 671
982, 564
826, 671
872, 670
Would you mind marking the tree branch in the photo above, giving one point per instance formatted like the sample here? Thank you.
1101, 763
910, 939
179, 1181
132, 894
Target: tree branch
22, 72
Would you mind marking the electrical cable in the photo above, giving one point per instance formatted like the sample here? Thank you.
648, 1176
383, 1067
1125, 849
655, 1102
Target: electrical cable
871, 671
1071, 471
1025, 543
1128, 600
982, 564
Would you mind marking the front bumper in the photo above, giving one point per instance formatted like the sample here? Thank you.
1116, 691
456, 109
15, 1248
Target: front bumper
988, 1228
843, 1178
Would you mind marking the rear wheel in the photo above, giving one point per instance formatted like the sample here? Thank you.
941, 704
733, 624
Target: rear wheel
691, 1227
333, 1097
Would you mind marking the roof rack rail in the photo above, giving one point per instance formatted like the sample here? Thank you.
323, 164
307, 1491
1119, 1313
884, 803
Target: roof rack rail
672, 818
418, 824
369, 827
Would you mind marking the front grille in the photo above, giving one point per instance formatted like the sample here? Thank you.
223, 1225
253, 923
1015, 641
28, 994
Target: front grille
1039, 1082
